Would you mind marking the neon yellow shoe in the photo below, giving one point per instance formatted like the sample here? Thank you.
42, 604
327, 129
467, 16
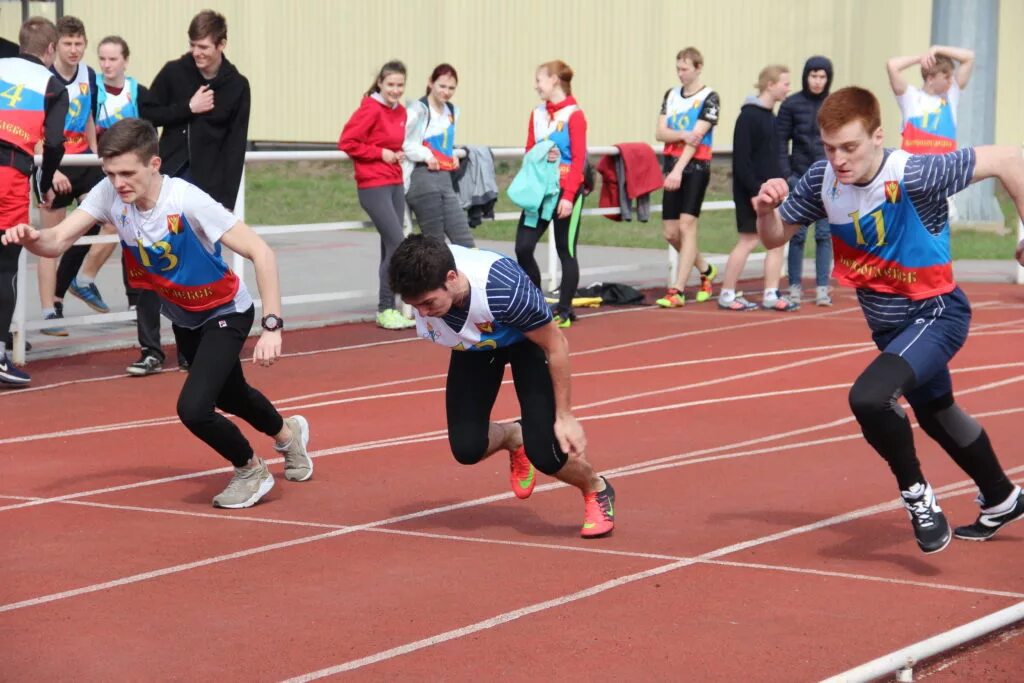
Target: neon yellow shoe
673, 299
704, 292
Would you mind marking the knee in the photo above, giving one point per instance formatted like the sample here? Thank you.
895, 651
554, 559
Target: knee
687, 225
524, 252
868, 398
193, 414
467, 448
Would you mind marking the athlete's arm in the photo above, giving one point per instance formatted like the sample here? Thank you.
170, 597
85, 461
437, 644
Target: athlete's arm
52, 242
962, 55
772, 230
55, 106
675, 176
567, 430
895, 66
242, 240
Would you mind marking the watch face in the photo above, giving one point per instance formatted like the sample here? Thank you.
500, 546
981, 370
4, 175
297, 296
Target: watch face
271, 322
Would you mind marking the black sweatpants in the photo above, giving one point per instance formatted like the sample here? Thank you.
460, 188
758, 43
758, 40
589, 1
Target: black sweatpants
215, 380
474, 378
8, 286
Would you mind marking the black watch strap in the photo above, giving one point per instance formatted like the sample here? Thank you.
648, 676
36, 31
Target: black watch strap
272, 323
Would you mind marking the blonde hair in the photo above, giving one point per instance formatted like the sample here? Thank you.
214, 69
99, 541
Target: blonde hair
692, 54
770, 74
562, 70
943, 65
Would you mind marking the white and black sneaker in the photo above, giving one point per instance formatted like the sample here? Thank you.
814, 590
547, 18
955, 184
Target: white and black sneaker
10, 373
930, 526
147, 364
994, 518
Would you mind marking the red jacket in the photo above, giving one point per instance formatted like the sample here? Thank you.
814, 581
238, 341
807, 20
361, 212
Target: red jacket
572, 180
373, 128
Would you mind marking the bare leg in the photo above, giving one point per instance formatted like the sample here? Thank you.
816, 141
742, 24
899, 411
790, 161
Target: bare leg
737, 259
773, 268
687, 249
578, 472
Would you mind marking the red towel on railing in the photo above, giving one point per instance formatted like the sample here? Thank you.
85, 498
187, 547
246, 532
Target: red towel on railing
643, 174
609, 186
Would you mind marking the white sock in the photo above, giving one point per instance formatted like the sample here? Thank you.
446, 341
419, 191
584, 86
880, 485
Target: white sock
727, 296
84, 280
771, 294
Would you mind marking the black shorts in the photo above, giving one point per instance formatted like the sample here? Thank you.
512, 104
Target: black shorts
690, 195
83, 179
746, 218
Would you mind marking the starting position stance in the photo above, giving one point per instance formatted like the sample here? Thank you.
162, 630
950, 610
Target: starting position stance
171, 232
888, 214
484, 307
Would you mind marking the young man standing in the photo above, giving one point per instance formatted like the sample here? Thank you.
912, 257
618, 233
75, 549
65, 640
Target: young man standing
33, 105
171, 232
202, 103
688, 113
888, 213
755, 159
929, 113
797, 122
484, 307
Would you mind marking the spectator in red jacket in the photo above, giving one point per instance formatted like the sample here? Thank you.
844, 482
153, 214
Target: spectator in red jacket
561, 120
373, 138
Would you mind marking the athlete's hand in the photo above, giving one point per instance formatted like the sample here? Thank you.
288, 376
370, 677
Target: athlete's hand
61, 184
268, 348
1020, 252
554, 154
564, 208
673, 180
455, 161
690, 138
433, 164
569, 433
928, 58
391, 157
19, 234
773, 192
202, 101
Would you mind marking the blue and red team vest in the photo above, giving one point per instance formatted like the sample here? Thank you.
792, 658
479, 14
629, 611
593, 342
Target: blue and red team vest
556, 129
879, 242
165, 255
929, 121
22, 102
682, 113
112, 108
481, 331
439, 134
79, 107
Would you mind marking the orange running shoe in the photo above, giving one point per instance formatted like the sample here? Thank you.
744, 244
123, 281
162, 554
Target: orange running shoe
599, 512
522, 476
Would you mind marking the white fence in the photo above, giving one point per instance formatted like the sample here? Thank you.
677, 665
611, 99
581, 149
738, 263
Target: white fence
20, 325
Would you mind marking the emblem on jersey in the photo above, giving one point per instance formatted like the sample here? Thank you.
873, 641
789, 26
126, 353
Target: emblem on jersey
124, 216
711, 113
833, 192
892, 191
486, 328
174, 223
559, 126
83, 88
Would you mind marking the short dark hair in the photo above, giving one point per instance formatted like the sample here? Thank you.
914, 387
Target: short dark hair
208, 24
116, 40
70, 26
130, 135
37, 34
419, 265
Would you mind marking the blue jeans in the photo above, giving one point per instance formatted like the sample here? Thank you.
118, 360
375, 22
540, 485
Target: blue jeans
822, 254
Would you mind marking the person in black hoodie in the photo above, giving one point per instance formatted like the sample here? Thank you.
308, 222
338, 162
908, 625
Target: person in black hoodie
755, 159
798, 123
202, 102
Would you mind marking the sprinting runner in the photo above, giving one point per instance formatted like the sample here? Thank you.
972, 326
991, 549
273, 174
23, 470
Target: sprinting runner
929, 113
172, 233
484, 307
890, 227
559, 119
430, 160
688, 113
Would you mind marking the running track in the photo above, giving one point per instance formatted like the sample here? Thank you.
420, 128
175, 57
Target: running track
758, 537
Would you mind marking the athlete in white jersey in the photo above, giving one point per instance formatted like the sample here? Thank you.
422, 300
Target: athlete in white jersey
172, 231
484, 307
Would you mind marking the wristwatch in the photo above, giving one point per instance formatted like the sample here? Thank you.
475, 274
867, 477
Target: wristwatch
272, 323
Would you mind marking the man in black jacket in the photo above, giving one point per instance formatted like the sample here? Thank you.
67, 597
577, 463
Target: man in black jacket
202, 103
797, 122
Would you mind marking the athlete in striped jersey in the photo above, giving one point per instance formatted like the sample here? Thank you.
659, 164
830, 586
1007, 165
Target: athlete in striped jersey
484, 307
888, 214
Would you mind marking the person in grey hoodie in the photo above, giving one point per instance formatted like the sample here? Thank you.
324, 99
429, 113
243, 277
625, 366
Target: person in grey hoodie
797, 124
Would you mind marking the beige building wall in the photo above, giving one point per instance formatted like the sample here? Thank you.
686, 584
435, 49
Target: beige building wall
309, 61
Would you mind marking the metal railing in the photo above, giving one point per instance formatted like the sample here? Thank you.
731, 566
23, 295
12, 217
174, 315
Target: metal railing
20, 325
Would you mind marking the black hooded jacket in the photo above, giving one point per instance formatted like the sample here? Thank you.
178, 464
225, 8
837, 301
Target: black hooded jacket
211, 144
798, 122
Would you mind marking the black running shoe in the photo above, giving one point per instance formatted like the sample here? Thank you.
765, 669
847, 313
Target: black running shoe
993, 519
147, 364
930, 526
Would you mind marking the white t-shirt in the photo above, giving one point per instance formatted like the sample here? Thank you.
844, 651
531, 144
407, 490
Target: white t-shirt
183, 218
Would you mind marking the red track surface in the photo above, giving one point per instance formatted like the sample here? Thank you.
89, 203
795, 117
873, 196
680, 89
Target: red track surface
747, 546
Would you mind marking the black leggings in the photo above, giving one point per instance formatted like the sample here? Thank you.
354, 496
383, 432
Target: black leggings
8, 286
474, 378
567, 234
215, 379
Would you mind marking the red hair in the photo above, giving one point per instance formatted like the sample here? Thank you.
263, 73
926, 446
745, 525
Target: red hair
442, 70
850, 104
564, 72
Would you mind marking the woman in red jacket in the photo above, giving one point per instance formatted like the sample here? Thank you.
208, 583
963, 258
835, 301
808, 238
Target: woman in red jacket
559, 119
373, 138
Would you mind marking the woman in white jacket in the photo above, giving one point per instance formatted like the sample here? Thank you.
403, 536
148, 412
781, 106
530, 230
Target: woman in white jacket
430, 160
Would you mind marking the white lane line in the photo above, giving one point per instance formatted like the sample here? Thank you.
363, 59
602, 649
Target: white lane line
513, 615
